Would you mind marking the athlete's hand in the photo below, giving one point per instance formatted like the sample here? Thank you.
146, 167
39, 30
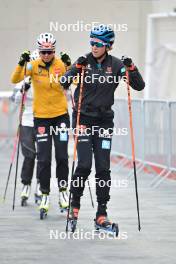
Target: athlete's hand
65, 58
82, 61
25, 57
25, 87
127, 61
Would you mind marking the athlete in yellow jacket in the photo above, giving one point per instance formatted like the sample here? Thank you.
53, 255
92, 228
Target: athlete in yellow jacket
49, 98
50, 114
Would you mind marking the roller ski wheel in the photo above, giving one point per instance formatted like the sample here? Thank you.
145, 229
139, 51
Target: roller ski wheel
43, 214
102, 223
73, 218
24, 201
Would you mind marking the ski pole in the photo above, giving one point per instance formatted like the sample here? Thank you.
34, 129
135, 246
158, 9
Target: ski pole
90, 192
133, 146
76, 140
11, 163
19, 128
12, 157
72, 100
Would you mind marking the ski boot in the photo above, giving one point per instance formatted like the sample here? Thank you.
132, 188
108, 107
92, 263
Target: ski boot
72, 219
25, 194
44, 206
63, 200
103, 223
38, 194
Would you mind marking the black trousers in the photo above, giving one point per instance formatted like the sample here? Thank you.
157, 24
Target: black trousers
98, 142
47, 129
27, 140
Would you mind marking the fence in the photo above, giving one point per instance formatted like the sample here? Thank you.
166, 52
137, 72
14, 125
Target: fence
155, 135
8, 120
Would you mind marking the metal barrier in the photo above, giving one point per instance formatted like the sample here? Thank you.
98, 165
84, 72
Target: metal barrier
8, 121
156, 128
172, 123
122, 142
155, 135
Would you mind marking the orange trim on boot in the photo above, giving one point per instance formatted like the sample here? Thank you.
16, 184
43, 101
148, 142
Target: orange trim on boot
101, 219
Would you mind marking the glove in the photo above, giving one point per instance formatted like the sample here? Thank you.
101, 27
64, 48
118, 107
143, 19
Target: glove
127, 61
65, 58
25, 57
25, 87
82, 61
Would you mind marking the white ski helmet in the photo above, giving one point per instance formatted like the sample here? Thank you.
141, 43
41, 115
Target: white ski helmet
34, 55
46, 41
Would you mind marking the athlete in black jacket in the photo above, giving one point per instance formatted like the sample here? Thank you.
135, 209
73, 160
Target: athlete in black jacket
102, 75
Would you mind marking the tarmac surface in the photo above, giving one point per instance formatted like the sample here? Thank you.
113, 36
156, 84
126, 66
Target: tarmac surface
24, 238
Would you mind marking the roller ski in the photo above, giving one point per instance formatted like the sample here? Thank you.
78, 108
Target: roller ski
72, 219
63, 201
44, 206
38, 195
102, 223
25, 194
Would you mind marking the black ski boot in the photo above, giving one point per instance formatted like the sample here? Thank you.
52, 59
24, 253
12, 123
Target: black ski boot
103, 223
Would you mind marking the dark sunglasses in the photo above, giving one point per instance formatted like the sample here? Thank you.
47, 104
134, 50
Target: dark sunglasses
97, 44
49, 52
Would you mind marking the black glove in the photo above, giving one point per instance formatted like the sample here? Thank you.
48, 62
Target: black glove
25, 57
65, 58
25, 87
127, 61
82, 61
